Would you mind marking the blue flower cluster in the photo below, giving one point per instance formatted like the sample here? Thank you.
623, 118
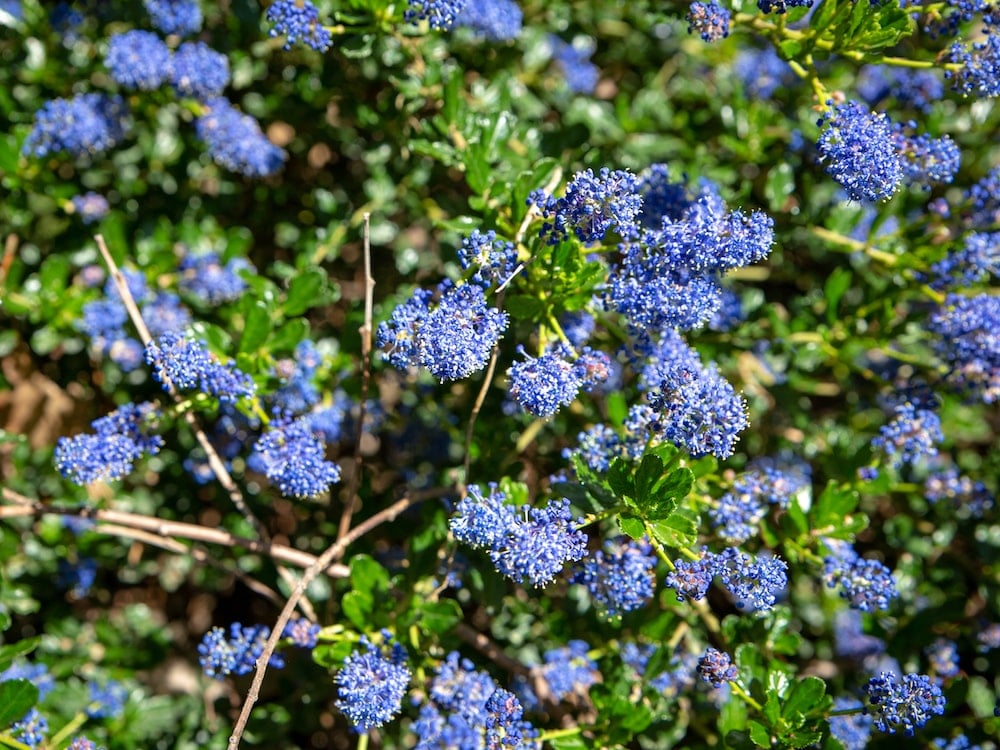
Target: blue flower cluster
532, 544
237, 654
668, 277
871, 157
236, 142
372, 683
453, 339
205, 277
913, 432
298, 21
976, 260
138, 60
90, 206
493, 259
543, 384
709, 19
84, 126
580, 73
293, 458
199, 71
37, 674
867, 584
984, 196
850, 640
968, 497
943, 657
905, 703
766, 482
754, 582
186, 364
979, 74
968, 331
31, 729
107, 700
917, 89
301, 632
569, 670
619, 578
852, 730
82, 743
762, 72
590, 207
180, 17
439, 14
495, 20
465, 708
716, 667
118, 441
77, 576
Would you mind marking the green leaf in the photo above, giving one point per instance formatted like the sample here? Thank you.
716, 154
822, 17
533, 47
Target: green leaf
12, 651
650, 472
780, 184
836, 285
568, 743
620, 478
760, 734
772, 707
678, 530
332, 655
439, 617
307, 290
368, 576
804, 696
16, 699
803, 739
357, 606
523, 307
632, 526
256, 327
285, 338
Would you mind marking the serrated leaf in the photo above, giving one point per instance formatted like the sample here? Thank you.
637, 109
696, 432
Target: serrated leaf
650, 472
803, 738
805, 695
759, 734
256, 327
678, 530
632, 526
620, 478
332, 655
16, 699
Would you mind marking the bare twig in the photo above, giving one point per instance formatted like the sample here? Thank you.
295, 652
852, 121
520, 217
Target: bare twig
366, 376
332, 552
26, 507
214, 461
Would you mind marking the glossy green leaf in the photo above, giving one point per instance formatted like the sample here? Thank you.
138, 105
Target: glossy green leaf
16, 699
256, 327
307, 290
632, 526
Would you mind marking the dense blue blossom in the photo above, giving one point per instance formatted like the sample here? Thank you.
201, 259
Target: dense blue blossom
620, 577
205, 277
709, 19
439, 14
968, 330
186, 364
181, 17
493, 259
737, 515
138, 60
90, 206
970, 498
302, 632
905, 703
85, 125
107, 700
235, 140
976, 260
483, 520
852, 730
867, 584
913, 432
292, 457
985, 198
918, 89
754, 582
699, 410
580, 73
118, 441
199, 71
31, 729
237, 654
925, 160
496, 20
959, 742
372, 683
466, 709
569, 669
541, 385
691, 578
457, 337
578, 326
397, 337
979, 74
590, 207
298, 21
989, 637
597, 446
858, 149
716, 667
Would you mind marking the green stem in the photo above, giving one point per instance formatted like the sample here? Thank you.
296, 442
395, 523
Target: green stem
553, 734
747, 698
596, 517
363, 742
71, 727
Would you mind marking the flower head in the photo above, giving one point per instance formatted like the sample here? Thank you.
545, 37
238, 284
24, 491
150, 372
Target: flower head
298, 21
859, 152
457, 337
199, 71
118, 441
591, 206
181, 17
186, 364
237, 654
294, 459
709, 19
372, 683
619, 578
236, 142
90, 206
716, 668
138, 60
496, 20
544, 384
905, 703
85, 125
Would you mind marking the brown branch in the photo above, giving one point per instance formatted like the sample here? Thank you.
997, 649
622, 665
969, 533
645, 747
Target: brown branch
214, 460
332, 552
26, 507
366, 375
